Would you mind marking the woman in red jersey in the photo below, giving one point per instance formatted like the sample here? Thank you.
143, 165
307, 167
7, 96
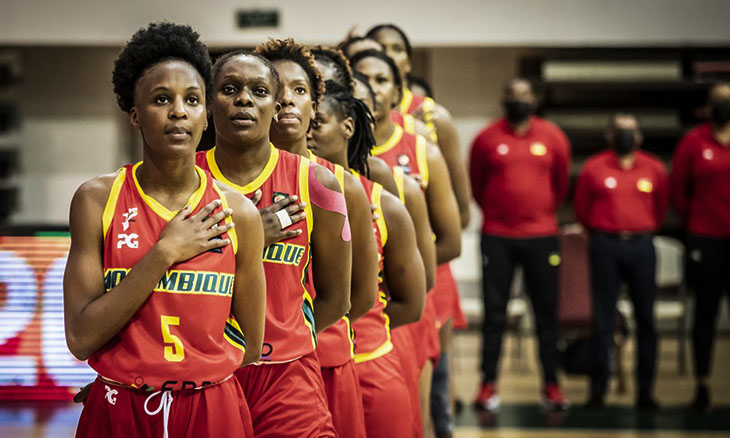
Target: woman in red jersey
417, 158
285, 391
342, 135
302, 88
398, 47
149, 287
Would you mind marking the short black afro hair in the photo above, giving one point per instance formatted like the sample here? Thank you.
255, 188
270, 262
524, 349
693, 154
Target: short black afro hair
157, 43
290, 50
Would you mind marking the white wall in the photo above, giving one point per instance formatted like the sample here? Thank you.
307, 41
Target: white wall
71, 130
428, 22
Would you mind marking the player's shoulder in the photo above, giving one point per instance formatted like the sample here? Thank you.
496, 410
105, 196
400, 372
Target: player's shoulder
696, 136
97, 189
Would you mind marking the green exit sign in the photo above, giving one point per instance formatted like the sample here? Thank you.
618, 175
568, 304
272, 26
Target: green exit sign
247, 19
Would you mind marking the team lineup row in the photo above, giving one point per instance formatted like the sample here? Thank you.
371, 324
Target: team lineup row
319, 164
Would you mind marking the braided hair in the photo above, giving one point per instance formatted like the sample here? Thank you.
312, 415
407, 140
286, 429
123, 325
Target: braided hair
335, 59
344, 104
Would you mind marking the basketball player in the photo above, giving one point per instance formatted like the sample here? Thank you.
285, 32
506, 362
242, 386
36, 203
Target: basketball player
415, 157
149, 292
302, 88
285, 391
342, 135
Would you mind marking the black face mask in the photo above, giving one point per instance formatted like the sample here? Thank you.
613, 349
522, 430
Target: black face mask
624, 141
517, 110
720, 110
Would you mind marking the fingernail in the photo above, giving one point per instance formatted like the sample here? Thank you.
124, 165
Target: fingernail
217, 202
232, 224
295, 197
229, 211
303, 204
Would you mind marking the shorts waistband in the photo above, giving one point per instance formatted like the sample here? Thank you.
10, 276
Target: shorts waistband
124, 385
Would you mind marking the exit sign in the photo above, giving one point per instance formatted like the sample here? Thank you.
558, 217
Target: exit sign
247, 19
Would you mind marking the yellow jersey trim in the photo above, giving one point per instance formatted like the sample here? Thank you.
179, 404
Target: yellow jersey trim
390, 143
399, 177
422, 159
111, 201
375, 198
340, 175
409, 124
224, 205
304, 192
253, 185
232, 321
160, 209
386, 346
405, 102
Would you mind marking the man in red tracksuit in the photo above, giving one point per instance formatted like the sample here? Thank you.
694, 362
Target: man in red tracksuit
621, 198
519, 175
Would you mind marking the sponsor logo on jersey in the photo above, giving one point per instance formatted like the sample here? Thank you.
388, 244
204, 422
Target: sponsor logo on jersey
128, 240
111, 395
502, 149
278, 196
181, 282
129, 217
284, 253
707, 154
403, 160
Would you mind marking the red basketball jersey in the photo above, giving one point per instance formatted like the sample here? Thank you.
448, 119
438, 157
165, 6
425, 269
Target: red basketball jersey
372, 331
411, 102
335, 344
182, 336
406, 151
289, 331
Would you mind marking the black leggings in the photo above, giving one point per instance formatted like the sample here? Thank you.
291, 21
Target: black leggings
708, 269
540, 259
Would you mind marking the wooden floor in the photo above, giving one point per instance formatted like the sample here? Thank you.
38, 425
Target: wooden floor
520, 415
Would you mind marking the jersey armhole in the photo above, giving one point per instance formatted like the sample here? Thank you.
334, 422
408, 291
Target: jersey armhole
224, 205
376, 199
111, 201
422, 159
399, 178
304, 164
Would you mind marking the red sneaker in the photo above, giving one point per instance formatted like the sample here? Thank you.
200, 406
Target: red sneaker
553, 399
487, 399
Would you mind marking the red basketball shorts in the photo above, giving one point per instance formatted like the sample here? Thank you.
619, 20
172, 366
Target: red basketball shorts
287, 399
385, 398
345, 400
113, 411
446, 298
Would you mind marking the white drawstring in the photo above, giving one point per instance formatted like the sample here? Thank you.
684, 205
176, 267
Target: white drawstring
165, 403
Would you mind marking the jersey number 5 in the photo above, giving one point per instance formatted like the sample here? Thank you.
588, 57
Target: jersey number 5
176, 352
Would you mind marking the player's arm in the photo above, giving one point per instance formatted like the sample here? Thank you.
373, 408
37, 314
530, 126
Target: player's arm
415, 203
381, 173
331, 248
448, 143
442, 208
91, 316
249, 289
405, 277
364, 282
